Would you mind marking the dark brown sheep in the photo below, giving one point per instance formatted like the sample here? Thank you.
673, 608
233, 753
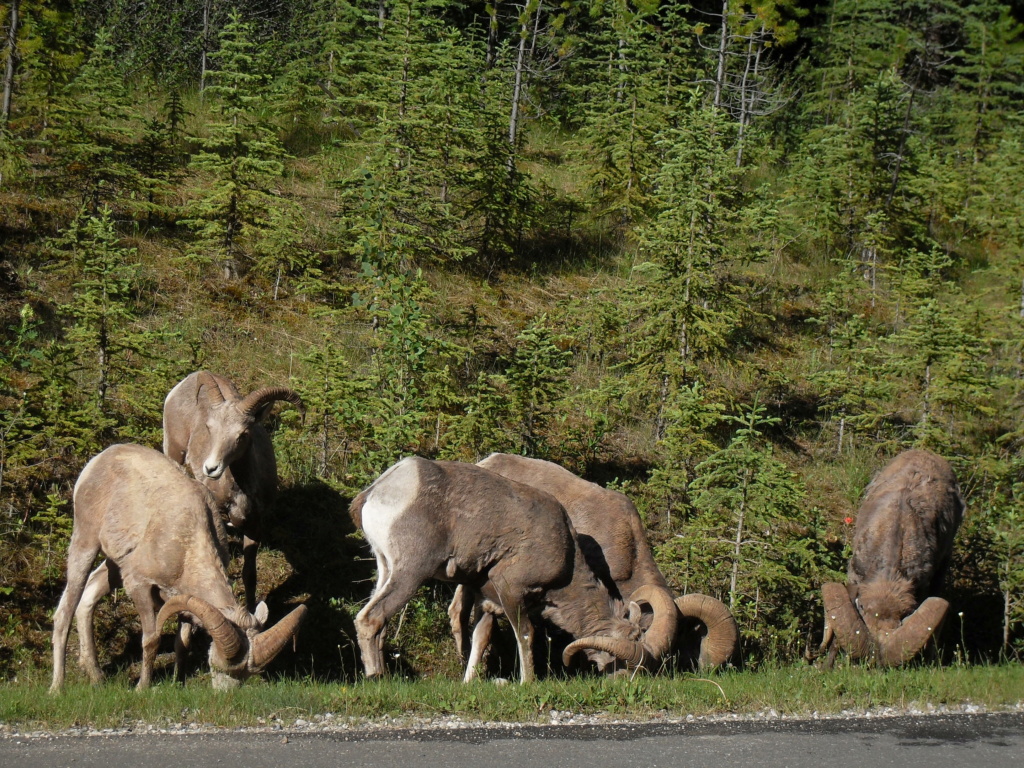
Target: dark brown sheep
902, 545
510, 543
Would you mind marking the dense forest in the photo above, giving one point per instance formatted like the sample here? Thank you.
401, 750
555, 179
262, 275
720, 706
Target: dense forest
728, 257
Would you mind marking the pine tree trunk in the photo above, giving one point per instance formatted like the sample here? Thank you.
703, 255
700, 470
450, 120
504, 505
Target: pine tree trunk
901, 151
1007, 608
324, 445
205, 45
723, 43
492, 36
12, 64
747, 107
744, 82
927, 394
517, 93
620, 93
536, 30
738, 544
104, 362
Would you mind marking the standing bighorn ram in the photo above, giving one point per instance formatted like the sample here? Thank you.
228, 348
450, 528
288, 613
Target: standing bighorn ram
509, 543
164, 542
614, 543
902, 545
212, 429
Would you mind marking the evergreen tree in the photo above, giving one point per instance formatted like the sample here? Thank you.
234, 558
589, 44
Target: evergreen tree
628, 104
409, 366
240, 156
751, 532
511, 411
110, 351
48, 51
536, 378
330, 443
94, 132
692, 418
853, 381
988, 79
686, 304
941, 353
420, 154
1003, 509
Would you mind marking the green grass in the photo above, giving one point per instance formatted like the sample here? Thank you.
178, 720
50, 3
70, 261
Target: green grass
796, 690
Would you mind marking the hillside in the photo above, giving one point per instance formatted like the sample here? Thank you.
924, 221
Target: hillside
702, 252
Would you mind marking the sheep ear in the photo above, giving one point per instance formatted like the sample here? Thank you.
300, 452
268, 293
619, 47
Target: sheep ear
635, 612
263, 412
262, 613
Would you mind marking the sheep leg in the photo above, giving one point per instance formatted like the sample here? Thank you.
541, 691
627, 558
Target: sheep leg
104, 580
511, 602
523, 629
249, 549
833, 652
145, 604
828, 638
81, 553
182, 644
459, 613
481, 642
394, 589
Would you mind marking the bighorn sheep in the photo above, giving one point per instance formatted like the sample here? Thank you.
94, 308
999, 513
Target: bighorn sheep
614, 543
217, 433
511, 544
164, 541
902, 545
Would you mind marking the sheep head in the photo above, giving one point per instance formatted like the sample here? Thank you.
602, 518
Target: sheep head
230, 419
884, 604
889, 641
240, 647
629, 643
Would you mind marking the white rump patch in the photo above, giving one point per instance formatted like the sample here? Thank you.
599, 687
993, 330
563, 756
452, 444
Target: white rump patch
388, 500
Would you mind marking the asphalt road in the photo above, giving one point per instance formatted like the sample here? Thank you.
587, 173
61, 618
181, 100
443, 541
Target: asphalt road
988, 741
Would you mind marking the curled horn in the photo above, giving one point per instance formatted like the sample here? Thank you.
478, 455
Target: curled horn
261, 397
842, 617
661, 635
903, 643
225, 635
266, 645
634, 654
722, 636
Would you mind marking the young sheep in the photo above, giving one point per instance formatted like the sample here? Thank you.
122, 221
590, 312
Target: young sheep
163, 541
512, 544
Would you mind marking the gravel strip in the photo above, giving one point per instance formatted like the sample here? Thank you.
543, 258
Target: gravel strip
331, 723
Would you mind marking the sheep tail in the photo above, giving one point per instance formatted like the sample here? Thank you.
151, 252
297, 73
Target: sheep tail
355, 509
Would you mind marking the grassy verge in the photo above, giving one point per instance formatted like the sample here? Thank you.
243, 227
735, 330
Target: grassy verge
797, 690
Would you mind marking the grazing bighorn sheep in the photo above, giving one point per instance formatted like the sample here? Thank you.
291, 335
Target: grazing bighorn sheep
513, 545
615, 546
902, 545
212, 429
164, 542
